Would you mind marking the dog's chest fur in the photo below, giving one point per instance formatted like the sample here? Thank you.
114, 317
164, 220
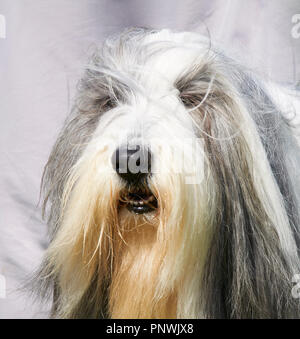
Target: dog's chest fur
136, 273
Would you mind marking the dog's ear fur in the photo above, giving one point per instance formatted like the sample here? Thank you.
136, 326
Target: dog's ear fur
253, 254
91, 101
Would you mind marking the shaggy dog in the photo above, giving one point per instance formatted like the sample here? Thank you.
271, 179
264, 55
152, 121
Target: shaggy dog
172, 189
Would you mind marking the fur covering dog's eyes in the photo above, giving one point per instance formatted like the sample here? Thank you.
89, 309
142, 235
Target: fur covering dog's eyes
189, 100
107, 103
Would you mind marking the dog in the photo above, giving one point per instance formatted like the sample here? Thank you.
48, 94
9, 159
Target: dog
172, 189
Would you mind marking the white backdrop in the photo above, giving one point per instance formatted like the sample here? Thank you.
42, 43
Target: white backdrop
40, 60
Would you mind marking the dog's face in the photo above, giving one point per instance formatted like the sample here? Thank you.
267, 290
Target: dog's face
161, 186
146, 146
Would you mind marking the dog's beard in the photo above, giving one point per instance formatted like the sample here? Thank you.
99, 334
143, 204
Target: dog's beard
138, 259
132, 238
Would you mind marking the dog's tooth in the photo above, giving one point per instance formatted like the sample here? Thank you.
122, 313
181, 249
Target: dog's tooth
140, 198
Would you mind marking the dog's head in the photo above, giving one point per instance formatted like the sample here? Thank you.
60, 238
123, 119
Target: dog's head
141, 88
163, 149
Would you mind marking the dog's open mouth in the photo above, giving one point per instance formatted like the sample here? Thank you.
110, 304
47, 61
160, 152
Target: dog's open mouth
139, 202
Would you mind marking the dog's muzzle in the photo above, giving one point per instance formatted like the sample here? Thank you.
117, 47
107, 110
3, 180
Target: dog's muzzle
133, 165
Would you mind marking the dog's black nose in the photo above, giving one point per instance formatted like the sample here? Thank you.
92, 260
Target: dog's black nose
132, 163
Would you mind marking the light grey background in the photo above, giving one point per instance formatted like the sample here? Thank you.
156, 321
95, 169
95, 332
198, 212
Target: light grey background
40, 61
